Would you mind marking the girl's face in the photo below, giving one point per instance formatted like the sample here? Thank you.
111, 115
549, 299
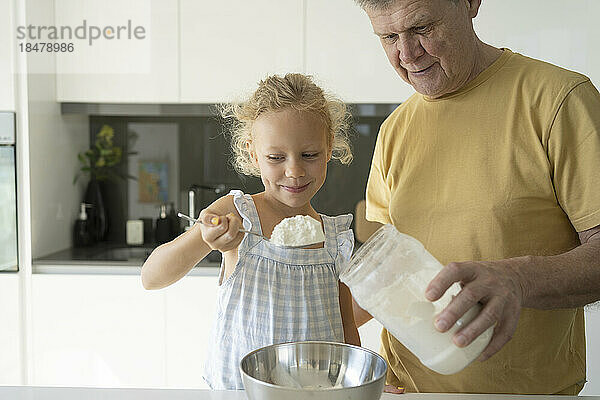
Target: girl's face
290, 149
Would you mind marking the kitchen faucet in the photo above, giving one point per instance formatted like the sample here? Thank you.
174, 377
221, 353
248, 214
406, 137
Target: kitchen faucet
217, 189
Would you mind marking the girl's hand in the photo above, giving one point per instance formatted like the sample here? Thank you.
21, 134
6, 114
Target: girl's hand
221, 232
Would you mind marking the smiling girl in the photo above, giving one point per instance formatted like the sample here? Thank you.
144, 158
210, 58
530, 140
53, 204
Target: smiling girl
286, 133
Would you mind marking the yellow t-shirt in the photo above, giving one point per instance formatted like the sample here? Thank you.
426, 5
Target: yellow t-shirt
507, 166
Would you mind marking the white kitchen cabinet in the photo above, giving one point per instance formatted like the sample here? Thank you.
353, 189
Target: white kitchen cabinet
227, 47
97, 330
10, 361
7, 56
344, 54
120, 70
190, 311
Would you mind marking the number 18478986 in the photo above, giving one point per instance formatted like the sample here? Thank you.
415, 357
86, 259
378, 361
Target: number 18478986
48, 47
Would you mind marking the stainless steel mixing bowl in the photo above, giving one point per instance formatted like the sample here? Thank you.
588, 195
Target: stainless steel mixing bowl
315, 370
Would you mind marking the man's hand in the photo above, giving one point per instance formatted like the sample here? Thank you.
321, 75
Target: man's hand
494, 284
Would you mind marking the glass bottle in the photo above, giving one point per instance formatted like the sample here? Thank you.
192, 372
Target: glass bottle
388, 276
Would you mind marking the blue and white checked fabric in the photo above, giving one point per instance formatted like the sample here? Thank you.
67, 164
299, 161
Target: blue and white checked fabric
275, 295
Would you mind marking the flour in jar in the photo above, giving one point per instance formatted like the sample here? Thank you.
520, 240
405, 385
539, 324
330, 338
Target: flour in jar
298, 231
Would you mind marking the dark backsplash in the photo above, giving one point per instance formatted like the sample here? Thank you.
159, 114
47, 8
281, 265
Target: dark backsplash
202, 157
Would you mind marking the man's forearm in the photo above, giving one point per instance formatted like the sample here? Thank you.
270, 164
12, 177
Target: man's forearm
567, 280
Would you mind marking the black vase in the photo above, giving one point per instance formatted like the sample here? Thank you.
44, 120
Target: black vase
97, 213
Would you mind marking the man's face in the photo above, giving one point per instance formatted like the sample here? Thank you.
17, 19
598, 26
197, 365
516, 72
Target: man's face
430, 43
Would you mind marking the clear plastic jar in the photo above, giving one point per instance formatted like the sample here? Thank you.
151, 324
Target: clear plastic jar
388, 276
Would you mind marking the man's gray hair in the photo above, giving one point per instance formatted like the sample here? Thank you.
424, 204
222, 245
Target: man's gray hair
380, 4
374, 4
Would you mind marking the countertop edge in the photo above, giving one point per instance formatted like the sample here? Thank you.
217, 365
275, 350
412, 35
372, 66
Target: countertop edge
108, 268
39, 392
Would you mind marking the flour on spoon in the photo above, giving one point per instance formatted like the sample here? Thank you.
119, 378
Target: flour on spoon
298, 231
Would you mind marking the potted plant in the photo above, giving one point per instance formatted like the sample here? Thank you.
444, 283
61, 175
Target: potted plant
101, 162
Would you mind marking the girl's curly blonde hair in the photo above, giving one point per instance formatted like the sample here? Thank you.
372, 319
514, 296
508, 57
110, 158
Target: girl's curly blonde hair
276, 93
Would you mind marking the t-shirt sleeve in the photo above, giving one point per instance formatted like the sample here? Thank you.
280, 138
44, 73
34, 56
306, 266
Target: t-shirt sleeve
378, 191
574, 154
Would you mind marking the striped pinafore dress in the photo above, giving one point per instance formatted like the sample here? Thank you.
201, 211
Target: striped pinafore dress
275, 295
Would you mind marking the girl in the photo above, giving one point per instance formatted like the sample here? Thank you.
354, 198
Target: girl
285, 133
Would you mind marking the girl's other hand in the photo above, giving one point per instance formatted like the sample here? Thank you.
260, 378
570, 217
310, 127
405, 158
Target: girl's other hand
221, 232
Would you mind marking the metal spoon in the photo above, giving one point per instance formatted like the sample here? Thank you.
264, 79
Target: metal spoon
181, 215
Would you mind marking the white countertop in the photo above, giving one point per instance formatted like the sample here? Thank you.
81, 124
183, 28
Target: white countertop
112, 268
62, 393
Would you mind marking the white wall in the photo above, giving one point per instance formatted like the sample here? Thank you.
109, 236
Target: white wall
561, 32
54, 143
565, 34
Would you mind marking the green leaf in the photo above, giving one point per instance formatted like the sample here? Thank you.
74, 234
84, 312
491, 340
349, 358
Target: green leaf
101, 160
106, 132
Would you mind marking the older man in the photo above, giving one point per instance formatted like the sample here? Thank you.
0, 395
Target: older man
494, 165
